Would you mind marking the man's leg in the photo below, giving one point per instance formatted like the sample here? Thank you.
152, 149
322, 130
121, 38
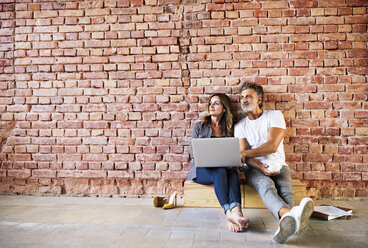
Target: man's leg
266, 189
302, 213
283, 185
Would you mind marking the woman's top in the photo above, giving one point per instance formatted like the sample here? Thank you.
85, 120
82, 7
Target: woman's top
199, 131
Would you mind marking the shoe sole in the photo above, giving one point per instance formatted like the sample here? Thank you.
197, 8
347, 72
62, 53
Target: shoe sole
307, 207
286, 229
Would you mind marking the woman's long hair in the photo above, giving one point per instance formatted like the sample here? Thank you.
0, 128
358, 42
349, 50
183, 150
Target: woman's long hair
226, 122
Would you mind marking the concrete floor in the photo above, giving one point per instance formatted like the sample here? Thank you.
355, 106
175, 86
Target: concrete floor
36, 221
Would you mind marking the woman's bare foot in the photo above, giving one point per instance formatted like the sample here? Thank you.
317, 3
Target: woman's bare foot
234, 227
236, 217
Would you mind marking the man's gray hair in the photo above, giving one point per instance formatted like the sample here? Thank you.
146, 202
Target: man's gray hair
257, 88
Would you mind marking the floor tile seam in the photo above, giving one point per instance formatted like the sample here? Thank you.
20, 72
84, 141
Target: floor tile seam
149, 227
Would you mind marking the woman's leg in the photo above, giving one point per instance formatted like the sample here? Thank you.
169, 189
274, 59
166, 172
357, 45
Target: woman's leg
236, 215
218, 177
234, 188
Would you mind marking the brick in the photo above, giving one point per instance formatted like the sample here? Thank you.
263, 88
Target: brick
357, 88
165, 58
95, 124
329, 3
246, 39
45, 14
119, 174
21, 174
218, 40
317, 11
300, 89
357, 123
352, 3
149, 74
301, 71
275, 5
273, 72
303, 37
44, 173
362, 131
331, 45
272, 21
303, 4
356, 19
94, 157
302, 21
274, 38
246, 6
215, 24
330, 20
219, 56
70, 12
68, 108
318, 105
219, 7
304, 123
357, 37
357, 53
164, 41
94, 174
347, 105
337, 36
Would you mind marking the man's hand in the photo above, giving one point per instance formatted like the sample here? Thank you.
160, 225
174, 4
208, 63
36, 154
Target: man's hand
243, 159
264, 169
253, 161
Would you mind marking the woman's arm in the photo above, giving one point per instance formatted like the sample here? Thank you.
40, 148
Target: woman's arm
195, 134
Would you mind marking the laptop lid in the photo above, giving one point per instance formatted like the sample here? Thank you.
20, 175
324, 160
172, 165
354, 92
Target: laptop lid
216, 152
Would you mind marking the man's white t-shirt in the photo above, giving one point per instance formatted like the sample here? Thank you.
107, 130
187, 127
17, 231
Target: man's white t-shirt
256, 133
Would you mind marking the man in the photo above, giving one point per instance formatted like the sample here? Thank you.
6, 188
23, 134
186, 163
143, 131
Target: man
261, 136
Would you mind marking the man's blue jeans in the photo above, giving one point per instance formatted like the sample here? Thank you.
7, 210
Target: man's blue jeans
275, 191
226, 184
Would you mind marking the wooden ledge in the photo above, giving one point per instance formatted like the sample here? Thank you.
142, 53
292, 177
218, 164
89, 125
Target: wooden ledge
197, 195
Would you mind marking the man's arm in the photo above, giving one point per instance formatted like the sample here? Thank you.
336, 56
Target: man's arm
275, 136
244, 146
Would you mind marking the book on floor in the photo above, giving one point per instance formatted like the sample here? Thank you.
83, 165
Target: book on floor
332, 212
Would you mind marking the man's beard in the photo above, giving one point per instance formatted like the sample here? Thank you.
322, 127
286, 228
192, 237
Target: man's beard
247, 108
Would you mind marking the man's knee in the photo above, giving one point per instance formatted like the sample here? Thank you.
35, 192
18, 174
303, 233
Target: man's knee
256, 180
265, 187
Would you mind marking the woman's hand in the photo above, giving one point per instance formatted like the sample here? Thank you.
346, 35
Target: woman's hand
264, 169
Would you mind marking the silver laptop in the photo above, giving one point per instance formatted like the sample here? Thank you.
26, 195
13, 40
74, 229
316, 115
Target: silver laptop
216, 152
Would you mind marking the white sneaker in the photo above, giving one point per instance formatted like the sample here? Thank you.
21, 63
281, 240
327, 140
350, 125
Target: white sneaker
302, 214
287, 227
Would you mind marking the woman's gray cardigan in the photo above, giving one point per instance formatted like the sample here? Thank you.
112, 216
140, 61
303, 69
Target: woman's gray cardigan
199, 131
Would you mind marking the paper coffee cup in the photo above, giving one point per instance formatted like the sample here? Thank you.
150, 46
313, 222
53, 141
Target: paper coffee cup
274, 167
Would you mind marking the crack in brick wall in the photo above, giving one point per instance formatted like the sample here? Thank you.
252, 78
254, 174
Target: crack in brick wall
104, 93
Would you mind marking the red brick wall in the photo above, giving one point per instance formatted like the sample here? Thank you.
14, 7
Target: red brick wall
99, 97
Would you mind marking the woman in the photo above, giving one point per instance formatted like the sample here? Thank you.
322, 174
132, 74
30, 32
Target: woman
219, 123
